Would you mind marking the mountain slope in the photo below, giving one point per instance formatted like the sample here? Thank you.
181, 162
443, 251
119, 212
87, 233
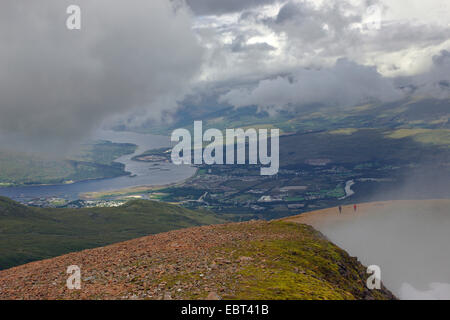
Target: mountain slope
252, 260
29, 234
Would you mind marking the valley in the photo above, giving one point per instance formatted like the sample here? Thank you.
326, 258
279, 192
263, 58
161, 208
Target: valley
315, 168
320, 169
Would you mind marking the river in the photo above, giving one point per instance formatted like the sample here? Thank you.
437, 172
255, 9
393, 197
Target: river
142, 173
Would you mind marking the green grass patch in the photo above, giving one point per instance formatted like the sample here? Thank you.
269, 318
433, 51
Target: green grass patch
295, 262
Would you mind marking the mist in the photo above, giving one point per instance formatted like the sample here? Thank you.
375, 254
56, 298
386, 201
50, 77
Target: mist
408, 239
59, 85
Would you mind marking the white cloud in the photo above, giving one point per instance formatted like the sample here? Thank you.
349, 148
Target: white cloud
436, 81
317, 33
344, 84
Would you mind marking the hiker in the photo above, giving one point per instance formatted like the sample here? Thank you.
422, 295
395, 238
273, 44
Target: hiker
354, 207
340, 209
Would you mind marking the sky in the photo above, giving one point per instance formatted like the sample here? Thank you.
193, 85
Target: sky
309, 40
141, 59
280, 36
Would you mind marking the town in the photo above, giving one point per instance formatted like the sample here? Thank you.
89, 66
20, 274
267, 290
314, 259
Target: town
213, 154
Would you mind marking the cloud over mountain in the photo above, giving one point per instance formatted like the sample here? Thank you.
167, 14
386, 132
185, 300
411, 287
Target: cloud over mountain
134, 62
346, 83
435, 82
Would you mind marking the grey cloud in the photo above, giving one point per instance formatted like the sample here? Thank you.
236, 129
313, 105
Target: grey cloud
218, 7
56, 85
346, 83
435, 82
442, 60
306, 22
293, 10
436, 291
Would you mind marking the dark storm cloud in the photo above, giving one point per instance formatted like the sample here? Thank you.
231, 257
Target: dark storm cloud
56, 85
218, 7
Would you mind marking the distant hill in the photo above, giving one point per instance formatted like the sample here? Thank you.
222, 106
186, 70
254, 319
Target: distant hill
29, 234
412, 112
356, 146
251, 260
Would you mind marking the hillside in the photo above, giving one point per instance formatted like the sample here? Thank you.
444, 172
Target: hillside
28, 234
252, 260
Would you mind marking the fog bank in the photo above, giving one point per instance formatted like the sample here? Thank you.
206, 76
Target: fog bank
407, 239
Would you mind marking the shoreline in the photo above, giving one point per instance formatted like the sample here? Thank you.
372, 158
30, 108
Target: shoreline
73, 189
69, 182
99, 195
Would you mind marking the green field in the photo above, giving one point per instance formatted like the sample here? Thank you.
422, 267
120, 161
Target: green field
28, 234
